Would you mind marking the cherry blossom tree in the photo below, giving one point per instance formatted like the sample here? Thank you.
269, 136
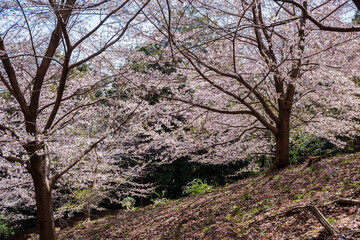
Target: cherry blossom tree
54, 55
255, 72
244, 74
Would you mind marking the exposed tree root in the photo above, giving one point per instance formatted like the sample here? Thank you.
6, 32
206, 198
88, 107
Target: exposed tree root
345, 201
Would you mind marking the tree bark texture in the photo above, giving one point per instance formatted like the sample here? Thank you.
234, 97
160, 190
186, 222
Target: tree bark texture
282, 140
45, 216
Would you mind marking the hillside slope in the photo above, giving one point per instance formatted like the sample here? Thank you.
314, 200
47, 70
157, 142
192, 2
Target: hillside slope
269, 206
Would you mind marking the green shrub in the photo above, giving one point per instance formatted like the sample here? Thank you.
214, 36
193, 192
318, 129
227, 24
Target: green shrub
197, 186
128, 203
5, 230
160, 198
304, 144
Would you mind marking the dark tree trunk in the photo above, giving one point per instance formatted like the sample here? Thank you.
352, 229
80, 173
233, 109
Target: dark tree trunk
282, 147
45, 216
282, 138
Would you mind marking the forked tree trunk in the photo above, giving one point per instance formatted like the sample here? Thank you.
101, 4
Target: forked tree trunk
45, 214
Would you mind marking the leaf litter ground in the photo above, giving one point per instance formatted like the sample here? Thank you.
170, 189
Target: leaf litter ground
268, 206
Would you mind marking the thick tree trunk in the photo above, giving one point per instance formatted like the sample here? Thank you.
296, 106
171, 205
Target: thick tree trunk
45, 214
282, 151
39, 171
282, 141
282, 136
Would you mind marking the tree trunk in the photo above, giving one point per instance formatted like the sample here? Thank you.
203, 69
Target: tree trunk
282, 151
282, 141
45, 216
87, 211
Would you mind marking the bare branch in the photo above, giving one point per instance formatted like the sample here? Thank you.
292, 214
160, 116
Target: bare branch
30, 33
12, 159
44, 66
208, 108
99, 25
110, 43
317, 23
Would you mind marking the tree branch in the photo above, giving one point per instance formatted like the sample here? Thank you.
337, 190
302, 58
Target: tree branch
99, 25
208, 108
12, 159
107, 45
15, 88
45, 63
30, 33
320, 25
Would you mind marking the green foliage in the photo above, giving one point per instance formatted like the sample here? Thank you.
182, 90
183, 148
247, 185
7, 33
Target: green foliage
284, 188
153, 50
356, 19
206, 229
84, 194
69, 208
128, 203
247, 196
5, 230
5, 94
262, 206
160, 198
237, 209
309, 145
174, 176
150, 50
197, 186
303, 145
81, 200
83, 67
357, 80
299, 196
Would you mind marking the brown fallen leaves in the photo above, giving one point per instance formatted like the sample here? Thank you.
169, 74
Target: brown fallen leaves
275, 207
